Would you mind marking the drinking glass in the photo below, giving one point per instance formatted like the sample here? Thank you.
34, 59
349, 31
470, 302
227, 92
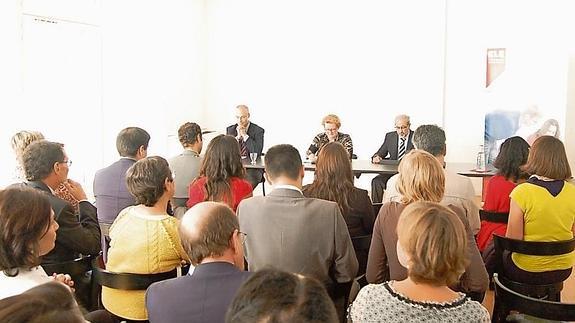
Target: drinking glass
253, 158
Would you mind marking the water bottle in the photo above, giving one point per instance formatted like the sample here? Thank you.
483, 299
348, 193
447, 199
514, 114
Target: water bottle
481, 160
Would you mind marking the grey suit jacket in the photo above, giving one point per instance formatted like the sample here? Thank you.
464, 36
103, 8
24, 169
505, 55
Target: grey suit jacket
111, 191
186, 167
203, 296
77, 234
302, 235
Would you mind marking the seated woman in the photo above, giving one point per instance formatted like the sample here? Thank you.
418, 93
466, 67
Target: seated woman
27, 232
421, 178
431, 244
542, 209
334, 182
331, 126
49, 302
512, 155
144, 238
222, 175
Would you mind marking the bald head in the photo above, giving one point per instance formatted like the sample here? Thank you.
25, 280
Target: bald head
206, 230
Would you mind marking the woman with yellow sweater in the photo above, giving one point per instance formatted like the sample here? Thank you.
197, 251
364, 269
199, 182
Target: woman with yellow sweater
542, 209
144, 238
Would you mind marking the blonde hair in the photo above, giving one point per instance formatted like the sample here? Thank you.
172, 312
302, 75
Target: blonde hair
331, 118
434, 238
23, 139
421, 177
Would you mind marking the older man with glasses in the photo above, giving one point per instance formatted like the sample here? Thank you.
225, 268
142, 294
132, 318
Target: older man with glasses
396, 144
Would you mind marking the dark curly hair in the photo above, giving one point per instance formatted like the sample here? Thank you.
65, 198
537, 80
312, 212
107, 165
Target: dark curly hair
512, 155
188, 134
146, 178
39, 159
25, 216
221, 162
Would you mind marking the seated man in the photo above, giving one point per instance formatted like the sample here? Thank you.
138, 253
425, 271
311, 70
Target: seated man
250, 137
396, 144
297, 234
186, 166
458, 189
210, 235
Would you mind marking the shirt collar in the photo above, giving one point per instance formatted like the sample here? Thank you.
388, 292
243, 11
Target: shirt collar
287, 187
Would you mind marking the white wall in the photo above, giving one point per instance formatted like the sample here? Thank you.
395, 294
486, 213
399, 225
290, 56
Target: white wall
292, 62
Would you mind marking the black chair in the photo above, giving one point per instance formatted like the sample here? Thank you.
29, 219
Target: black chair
339, 294
496, 217
535, 248
510, 300
361, 247
80, 270
376, 207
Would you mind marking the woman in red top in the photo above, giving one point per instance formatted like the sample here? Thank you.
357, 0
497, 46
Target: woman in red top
222, 175
512, 155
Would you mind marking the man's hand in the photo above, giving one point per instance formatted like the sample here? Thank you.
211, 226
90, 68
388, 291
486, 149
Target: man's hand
76, 190
242, 131
64, 279
376, 159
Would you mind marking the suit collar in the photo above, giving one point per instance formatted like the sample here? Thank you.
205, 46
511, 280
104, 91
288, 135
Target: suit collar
216, 267
285, 192
40, 186
188, 152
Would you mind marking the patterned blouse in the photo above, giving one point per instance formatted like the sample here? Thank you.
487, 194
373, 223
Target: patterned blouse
321, 140
381, 303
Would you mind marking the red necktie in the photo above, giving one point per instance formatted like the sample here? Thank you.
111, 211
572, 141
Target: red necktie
243, 147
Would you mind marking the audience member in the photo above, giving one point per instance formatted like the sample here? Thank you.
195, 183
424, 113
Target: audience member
186, 166
458, 189
250, 139
331, 125
46, 303
110, 188
431, 244
276, 296
144, 238
421, 178
27, 232
334, 182
512, 155
395, 145
542, 209
46, 165
298, 234
221, 175
19, 142
211, 235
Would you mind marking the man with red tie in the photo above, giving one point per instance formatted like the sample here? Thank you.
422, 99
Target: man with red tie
250, 137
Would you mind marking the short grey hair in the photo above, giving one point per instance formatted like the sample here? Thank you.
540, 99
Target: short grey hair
430, 138
402, 117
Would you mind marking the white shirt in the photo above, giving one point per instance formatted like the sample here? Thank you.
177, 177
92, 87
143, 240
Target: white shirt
22, 282
458, 191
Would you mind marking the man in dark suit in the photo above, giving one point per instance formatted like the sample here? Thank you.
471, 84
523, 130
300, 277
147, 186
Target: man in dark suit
250, 137
210, 235
297, 234
46, 166
110, 189
396, 144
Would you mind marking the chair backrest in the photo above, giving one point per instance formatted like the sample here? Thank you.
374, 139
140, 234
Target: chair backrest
532, 306
126, 281
76, 267
376, 207
534, 248
497, 217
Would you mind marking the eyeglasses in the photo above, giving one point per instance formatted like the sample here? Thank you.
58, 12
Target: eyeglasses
243, 237
401, 127
67, 162
331, 130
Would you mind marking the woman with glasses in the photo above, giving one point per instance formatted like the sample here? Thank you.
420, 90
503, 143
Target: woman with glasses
331, 125
144, 238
